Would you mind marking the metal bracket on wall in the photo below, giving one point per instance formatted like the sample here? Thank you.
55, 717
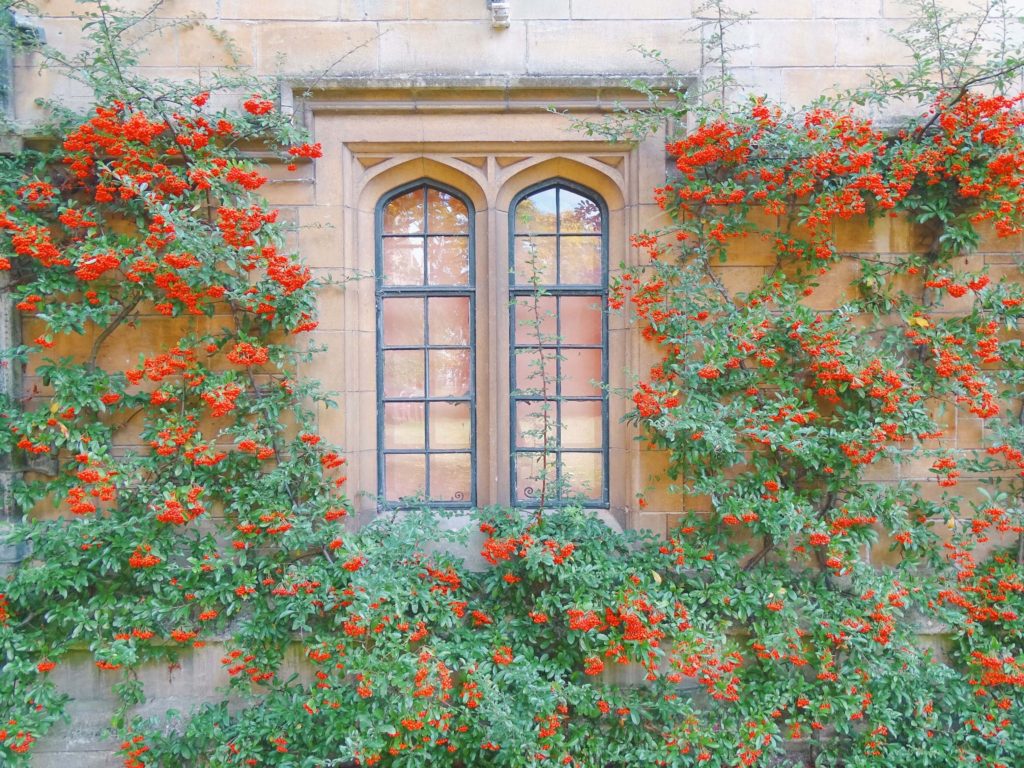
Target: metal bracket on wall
500, 10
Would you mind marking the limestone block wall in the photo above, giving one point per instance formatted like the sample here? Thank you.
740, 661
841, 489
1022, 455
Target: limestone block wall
398, 90
793, 50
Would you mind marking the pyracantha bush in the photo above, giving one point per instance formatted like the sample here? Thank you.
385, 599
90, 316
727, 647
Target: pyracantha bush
877, 617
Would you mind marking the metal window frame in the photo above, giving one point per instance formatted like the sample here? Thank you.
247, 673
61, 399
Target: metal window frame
425, 292
601, 294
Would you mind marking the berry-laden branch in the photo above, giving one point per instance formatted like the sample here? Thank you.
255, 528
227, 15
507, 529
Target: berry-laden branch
804, 423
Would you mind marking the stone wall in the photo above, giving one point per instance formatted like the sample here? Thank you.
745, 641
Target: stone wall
405, 89
792, 50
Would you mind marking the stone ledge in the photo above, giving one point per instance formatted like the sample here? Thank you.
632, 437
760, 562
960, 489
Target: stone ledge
490, 93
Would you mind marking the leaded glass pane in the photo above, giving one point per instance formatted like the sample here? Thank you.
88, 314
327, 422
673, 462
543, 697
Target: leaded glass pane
403, 322
579, 260
448, 260
403, 373
578, 213
450, 477
451, 426
404, 214
449, 320
406, 475
405, 425
581, 368
403, 261
446, 214
581, 424
581, 320
450, 372
536, 260
538, 212
531, 417
533, 369
536, 319
582, 474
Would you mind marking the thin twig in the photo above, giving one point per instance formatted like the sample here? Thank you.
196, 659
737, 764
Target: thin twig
546, 407
309, 88
1009, 70
969, 49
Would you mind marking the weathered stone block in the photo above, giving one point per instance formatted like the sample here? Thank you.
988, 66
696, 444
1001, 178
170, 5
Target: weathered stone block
373, 10
540, 9
606, 46
868, 42
788, 43
802, 85
444, 10
323, 44
616, 9
293, 10
468, 47
766, 9
222, 44
847, 9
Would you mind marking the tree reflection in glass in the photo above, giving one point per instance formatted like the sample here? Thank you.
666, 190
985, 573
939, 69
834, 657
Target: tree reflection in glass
426, 395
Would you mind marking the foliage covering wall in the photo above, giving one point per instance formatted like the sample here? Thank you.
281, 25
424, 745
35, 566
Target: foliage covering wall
761, 631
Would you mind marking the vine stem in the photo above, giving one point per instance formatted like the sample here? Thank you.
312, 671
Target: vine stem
545, 409
769, 545
113, 325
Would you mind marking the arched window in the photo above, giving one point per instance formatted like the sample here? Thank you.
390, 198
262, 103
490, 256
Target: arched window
558, 331
426, 339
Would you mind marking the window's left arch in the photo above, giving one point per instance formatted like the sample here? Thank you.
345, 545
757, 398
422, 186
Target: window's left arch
426, 342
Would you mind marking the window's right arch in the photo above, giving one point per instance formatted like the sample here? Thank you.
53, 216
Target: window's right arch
558, 332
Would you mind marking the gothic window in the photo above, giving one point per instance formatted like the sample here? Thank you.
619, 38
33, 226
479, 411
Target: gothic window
558, 265
426, 342
557, 407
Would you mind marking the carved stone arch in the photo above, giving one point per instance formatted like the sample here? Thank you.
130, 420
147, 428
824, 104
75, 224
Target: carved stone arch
354, 321
611, 186
593, 175
391, 174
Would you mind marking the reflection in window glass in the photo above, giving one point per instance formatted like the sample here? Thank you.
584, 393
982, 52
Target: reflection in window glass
559, 333
448, 260
426, 366
538, 213
403, 215
536, 258
403, 260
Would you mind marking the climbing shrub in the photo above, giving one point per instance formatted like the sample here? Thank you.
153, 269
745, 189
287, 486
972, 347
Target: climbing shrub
876, 616
792, 422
